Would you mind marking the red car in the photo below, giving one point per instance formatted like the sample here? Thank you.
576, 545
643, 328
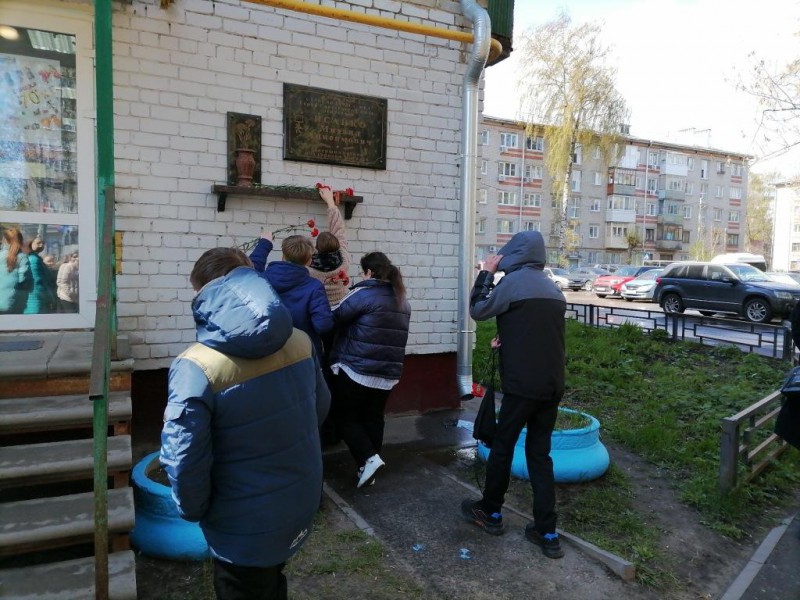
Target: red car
610, 285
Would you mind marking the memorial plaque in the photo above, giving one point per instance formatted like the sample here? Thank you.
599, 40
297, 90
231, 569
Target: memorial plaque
333, 127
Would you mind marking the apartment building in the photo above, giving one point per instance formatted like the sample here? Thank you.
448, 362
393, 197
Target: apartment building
681, 202
786, 226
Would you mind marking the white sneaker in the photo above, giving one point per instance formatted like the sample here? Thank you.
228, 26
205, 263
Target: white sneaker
369, 469
358, 476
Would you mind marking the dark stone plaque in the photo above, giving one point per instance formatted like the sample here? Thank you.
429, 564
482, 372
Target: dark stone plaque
333, 127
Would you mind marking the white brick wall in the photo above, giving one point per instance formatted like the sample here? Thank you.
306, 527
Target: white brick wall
179, 71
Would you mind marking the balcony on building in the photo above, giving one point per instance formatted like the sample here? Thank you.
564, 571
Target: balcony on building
616, 243
668, 245
621, 181
667, 219
620, 216
672, 195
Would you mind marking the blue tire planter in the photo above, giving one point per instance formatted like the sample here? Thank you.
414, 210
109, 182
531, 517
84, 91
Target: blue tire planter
159, 530
578, 454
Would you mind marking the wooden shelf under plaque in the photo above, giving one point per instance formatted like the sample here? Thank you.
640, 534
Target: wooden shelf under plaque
223, 191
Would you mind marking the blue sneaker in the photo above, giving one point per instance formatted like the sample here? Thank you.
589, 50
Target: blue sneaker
474, 513
549, 542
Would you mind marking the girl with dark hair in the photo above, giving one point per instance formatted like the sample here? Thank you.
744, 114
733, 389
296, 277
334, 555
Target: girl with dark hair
15, 273
367, 359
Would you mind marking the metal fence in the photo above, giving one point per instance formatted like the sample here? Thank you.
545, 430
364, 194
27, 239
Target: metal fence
765, 339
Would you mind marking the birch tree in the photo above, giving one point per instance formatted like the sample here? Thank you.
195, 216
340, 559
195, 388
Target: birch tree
569, 94
759, 218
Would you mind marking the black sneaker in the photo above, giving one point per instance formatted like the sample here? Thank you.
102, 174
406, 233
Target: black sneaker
474, 513
549, 542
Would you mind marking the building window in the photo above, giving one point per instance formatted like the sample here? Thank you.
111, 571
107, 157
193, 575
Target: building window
704, 169
485, 137
649, 235
720, 167
733, 239
689, 188
733, 216
594, 205
795, 247
574, 209
531, 226
652, 185
651, 209
576, 181
622, 177
594, 231
598, 178
508, 140
533, 172
535, 143
592, 257
596, 153
577, 156
690, 162
737, 170
703, 190
506, 198
505, 226
720, 191
481, 196
652, 160
484, 167
675, 184
687, 212
616, 230
735, 193
534, 200
480, 226
507, 169
686, 237
718, 214
671, 208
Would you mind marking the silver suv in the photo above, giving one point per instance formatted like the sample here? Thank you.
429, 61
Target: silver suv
724, 288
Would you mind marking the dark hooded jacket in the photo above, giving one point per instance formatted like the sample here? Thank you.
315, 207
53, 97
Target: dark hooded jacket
530, 311
240, 441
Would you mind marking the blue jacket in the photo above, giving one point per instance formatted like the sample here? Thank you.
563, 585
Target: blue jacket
15, 284
371, 330
303, 295
240, 441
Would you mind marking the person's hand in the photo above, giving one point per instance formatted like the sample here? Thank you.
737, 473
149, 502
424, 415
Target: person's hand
327, 195
495, 343
266, 235
491, 262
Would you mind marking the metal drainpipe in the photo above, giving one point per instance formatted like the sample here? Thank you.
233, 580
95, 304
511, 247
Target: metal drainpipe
469, 167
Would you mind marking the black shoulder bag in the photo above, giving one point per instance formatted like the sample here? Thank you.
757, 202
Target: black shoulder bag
486, 420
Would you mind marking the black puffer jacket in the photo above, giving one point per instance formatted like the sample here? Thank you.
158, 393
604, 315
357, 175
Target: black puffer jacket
530, 319
371, 330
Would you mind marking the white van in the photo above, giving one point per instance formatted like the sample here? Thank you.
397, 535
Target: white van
756, 260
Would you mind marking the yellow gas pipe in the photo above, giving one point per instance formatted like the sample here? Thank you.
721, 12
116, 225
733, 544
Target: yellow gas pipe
384, 22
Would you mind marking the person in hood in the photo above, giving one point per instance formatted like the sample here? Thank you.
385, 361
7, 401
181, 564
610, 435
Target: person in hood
303, 295
530, 311
240, 443
330, 262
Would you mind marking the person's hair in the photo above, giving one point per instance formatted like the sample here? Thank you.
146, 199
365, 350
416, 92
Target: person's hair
27, 247
297, 249
13, 238
217, 262
327, 242
382, 268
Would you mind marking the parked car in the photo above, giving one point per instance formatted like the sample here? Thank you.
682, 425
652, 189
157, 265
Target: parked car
783, 276
559, 276
582, 278
642, 287
724, 288
609, 285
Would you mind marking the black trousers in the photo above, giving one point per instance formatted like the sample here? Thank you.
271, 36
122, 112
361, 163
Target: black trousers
232, 582
358, 414
539, 417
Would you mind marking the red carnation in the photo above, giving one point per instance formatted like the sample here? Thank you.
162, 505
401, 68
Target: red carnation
310, 223
477, 390
341, 274
349, 191
322, 185
314, 232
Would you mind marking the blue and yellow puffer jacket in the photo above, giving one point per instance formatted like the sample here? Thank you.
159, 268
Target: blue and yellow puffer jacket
240, 442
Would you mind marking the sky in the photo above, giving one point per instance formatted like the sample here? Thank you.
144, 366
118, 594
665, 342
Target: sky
676, 61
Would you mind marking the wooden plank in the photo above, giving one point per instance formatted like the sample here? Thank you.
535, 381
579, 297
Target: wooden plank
35, 464
52, 522
18, 415
71, 579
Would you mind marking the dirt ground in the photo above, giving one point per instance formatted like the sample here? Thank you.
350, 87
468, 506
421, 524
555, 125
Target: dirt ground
704, 562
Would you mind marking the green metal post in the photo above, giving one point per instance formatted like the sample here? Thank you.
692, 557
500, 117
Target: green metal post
105, 318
